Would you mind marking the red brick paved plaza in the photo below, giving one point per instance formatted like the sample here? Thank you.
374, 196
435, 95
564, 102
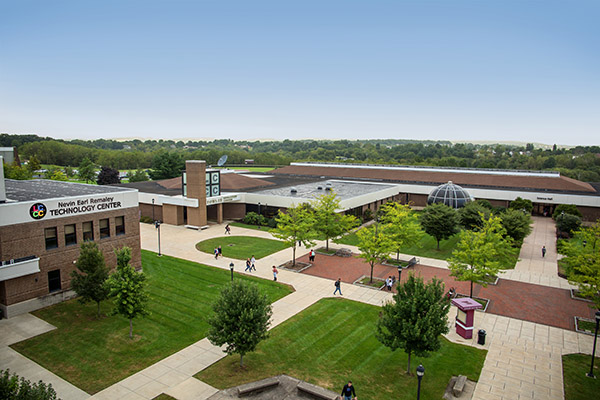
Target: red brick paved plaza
536, 303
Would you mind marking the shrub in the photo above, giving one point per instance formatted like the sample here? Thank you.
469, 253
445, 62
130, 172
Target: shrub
521, 204
568, 223
253, 218
567, 209
11, 387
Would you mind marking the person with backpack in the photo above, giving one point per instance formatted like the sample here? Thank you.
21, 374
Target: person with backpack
338, 286
348, 392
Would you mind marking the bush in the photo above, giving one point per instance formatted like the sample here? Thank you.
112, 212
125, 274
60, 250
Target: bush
271, 223
484, 203
472, 215
521, 204
367, 215
568, 223
253, 218
567, 209
13, 388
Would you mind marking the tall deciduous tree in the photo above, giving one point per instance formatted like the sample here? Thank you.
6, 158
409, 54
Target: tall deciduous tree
86, 170
374, 245
517, 223
439, 221
472, 214
328, 222
167, 165
415, 319
295, 225
108, 176
89, 281
401, 225
522, 204
240, 319
129, 288
478, 254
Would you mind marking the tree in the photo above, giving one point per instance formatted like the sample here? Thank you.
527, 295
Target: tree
15, 171
439, 221
58, 175
568, 223
33, 164
374, 246
86, 170
516, 223
472, 214
521, 204
167, 165
566, 209
295, 225
478, 254
108, 176
415, 319
583, 259
401, 225
328, 222
11, 387
137, 176
91, 284
240, 319
129, 288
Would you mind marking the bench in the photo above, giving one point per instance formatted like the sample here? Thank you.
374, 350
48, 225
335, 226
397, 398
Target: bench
459, 385
257, 386
316, 391
412, 262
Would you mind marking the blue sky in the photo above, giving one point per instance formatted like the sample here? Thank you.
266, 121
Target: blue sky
450, 70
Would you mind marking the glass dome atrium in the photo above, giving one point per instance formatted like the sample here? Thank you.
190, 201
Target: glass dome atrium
449, 194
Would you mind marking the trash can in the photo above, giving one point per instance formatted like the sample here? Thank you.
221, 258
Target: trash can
481, 337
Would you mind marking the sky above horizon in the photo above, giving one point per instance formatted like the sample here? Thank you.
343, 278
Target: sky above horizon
458, 70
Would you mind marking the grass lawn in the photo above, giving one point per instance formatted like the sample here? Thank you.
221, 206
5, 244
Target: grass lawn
242, 247
248, 226
93, 354
577, 385
427, 247
333, 341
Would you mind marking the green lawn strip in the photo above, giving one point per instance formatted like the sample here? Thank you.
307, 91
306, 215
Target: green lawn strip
242, 247
248, 226
427, 247
577, 385
377, 283
94, 354
333, 341
164, 397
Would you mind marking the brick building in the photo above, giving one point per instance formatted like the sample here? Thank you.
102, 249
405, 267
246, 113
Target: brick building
43, 223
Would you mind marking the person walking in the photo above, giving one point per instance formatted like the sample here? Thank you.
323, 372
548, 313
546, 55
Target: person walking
348, 392
253, 262
227, 229
543, 251
389, 283
275, 273
312, 255
338, 287
248, 265
216, 253
220, 251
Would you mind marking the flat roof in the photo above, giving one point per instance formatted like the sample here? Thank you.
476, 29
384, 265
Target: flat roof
41, 189
343, 189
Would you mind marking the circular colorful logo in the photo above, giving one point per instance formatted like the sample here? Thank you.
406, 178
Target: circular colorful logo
38, 211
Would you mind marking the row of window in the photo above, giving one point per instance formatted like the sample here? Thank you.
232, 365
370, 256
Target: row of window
51, 234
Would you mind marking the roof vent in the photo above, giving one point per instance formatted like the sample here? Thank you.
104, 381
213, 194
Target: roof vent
319, 187
294, 190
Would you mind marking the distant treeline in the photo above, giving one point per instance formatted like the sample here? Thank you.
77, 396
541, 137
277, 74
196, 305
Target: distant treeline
582, 162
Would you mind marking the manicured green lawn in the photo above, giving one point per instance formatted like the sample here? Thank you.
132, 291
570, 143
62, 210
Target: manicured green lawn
577, 385
248, 226
242, 247
93, 354
333, 341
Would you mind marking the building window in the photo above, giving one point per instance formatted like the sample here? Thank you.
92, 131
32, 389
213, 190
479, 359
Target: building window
104, 228
54, 280
51, 238
88, 231
70, 235
120, 225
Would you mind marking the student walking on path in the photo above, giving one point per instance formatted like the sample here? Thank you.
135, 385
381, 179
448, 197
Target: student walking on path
220, 251
543, 251
311, 257
338, 286
348, 392
248, 265
227, 229
275, 273
216, 253
253, 262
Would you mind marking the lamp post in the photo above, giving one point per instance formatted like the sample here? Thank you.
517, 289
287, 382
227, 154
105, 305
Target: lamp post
231, 269
157, 225
399, 273
420, 373
259, 208
153, 219
591, 373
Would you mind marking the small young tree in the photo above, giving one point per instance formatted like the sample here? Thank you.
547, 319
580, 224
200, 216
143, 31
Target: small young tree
240, 319
129, 288
568, 223
471, 215
295, 225
478, 254
86, 170
328, 222
108, 176
137, 176
401, 225
415, 319
91, 284
439, 221
33, 164
517, 223
374, 245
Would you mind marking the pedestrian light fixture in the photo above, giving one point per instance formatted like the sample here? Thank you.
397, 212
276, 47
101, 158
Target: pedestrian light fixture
591, 373
231, 269
157, 226
420, 373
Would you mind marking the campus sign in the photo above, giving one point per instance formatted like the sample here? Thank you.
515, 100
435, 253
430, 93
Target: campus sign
222, 199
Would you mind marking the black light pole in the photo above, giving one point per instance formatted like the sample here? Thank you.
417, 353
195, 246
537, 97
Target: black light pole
591, 373
259, 208
153, 219
231, 269
157, 225
399, 273
420, 373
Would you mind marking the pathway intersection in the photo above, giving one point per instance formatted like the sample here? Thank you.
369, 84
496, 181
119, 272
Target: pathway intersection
523, 360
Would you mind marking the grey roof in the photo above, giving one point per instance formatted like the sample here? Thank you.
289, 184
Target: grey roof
344, 190
39, 189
